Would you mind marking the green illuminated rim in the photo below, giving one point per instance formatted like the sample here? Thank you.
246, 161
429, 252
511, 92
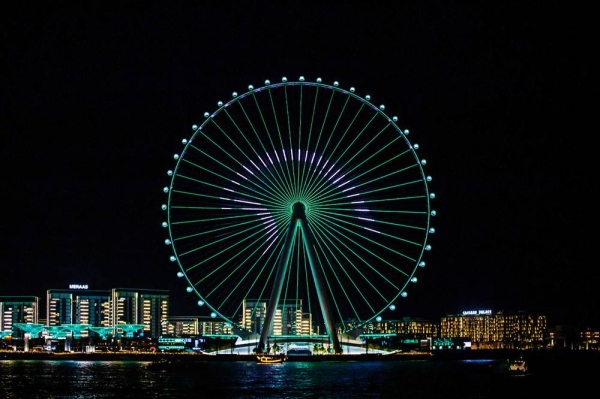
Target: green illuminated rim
361, 181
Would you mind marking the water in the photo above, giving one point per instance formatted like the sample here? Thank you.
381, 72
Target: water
29, 379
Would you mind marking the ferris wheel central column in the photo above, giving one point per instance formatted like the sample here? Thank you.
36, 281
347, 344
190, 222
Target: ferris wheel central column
299, 220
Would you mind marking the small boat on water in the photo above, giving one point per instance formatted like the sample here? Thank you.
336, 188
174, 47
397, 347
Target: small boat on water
269, 358
517, 365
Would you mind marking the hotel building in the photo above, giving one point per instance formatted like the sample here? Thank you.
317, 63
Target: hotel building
501, 330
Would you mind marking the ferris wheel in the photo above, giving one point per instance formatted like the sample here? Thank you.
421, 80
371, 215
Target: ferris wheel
304, 194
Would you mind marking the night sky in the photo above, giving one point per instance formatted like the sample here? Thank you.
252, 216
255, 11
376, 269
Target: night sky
96, 100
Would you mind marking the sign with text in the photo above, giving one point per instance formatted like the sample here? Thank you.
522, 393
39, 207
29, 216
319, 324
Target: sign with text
78, 286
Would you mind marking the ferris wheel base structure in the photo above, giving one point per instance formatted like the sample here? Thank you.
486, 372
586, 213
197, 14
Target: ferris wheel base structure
349, 345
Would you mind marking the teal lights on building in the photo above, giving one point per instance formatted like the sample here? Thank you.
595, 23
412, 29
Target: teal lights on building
18, 309
171, 344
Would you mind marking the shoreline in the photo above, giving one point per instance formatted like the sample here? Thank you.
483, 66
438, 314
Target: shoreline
434, 355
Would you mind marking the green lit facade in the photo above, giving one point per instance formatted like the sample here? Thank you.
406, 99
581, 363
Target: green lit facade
18, 309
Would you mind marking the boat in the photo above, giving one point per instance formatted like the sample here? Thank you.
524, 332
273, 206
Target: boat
517, 365
269, 358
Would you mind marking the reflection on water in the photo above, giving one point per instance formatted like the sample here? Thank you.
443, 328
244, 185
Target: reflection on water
398, 379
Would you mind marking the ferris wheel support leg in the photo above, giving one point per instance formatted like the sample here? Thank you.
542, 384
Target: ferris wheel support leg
320, 286
277, 286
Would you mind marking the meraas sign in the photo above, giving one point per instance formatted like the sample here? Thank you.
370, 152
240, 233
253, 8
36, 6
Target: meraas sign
78, 286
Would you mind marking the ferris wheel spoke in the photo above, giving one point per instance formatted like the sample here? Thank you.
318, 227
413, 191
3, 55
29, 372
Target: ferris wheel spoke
323, 150
306, 164
286, 174
349, 148
387, 176
233, 273
290, 140
341, 248
278, 128
329, 192
236, 243
273, 171
246, 168
262, 283
347, 243
274, 180
366, 239
259, 189
361, 227
329, 251
384, 222
374, 154
332, 293
362, 222
210, 231
355, 296
214, 269
347, 132
277, 245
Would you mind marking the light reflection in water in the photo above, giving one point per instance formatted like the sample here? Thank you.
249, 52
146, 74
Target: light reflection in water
130, 379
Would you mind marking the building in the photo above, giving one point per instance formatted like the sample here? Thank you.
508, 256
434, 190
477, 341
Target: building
288, 320
253, 315
484, 329
406, 326
182, 325
18, 309
109, 308
141, 306
78, 306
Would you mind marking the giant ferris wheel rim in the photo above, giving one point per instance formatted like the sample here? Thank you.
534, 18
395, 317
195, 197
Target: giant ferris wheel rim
222, 107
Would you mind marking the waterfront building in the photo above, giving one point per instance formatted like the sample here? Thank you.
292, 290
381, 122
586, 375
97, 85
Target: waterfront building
588, 339
18, 309
182, 325
253, 315
406, 333
306, 327
570, 337
407, 326
78, 306
141, 306
109, 308
288, 320
501, 330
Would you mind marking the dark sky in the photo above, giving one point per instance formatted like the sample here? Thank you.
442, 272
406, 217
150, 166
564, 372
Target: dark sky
96, 100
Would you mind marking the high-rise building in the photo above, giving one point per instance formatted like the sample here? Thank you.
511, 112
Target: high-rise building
288, 319
253, 315
18, 309
109, 308
78, 306
141, 306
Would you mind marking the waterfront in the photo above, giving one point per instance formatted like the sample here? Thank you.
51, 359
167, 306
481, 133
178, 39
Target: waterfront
433, 378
